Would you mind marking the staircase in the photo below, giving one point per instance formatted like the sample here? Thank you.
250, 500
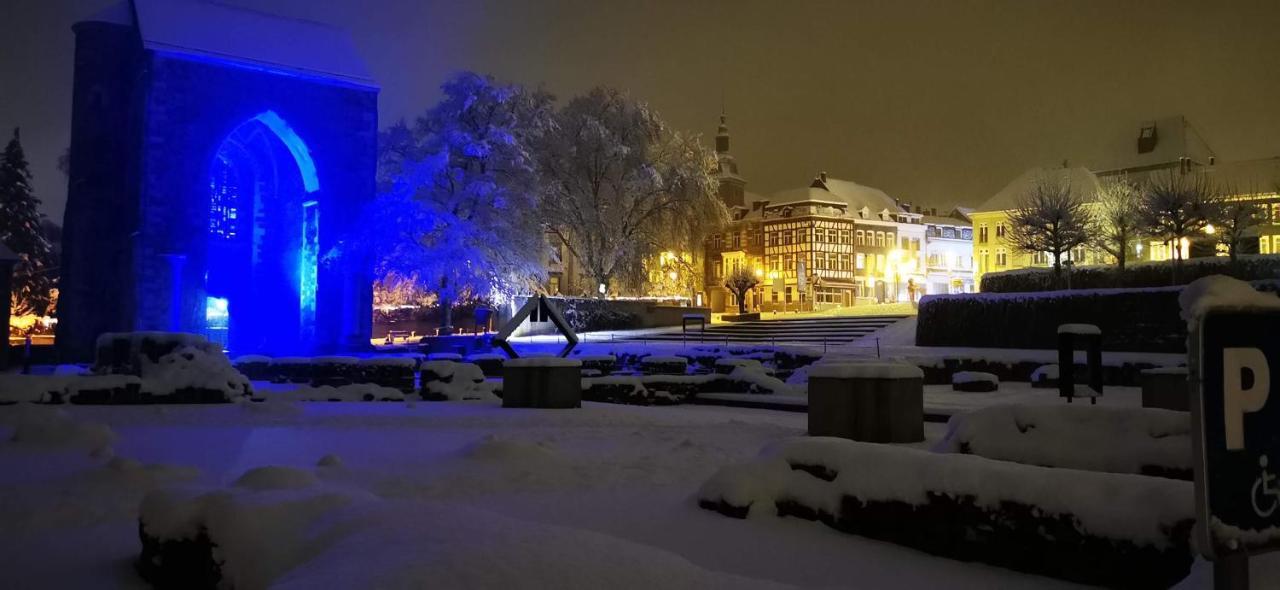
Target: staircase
820, 330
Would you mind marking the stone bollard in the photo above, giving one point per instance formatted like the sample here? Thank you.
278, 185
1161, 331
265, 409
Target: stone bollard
1166, 388
542, 382
880, 402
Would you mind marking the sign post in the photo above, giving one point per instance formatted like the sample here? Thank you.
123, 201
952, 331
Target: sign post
1236, 437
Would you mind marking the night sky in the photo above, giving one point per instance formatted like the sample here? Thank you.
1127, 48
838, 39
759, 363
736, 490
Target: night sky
939, 103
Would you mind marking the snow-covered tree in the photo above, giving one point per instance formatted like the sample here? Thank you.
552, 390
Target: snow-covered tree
1118, 202
1052, 217
1176, 206
457, 205
619, 187
21, 230
1232, 218
740, 281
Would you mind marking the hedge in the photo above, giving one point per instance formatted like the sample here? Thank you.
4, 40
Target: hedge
1106, 529
1140, 320
1143, 274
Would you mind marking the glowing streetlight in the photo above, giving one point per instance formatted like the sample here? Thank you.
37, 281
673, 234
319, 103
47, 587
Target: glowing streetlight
1209, 229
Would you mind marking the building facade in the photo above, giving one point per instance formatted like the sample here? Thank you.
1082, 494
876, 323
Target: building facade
1168, 146
833, 243
217, 157
948, 253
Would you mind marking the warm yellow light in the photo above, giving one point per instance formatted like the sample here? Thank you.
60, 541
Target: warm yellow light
672, 275
1208, 229
759, 272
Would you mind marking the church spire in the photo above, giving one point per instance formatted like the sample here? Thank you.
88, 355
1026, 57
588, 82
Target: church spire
722, 136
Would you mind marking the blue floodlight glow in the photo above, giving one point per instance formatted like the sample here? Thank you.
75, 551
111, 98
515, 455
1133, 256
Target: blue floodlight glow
308, 265
264, 220
296, 146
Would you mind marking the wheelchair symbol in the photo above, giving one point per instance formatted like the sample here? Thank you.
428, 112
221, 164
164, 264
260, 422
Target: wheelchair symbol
1265, 496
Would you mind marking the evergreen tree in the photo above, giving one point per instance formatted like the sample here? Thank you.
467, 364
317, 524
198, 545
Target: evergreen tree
21, 231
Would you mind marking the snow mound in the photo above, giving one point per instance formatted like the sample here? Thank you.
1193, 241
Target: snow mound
1080, 329
274, 477
1044, 373
1094, 438
327, 538
329, 460
494, 449
54, 427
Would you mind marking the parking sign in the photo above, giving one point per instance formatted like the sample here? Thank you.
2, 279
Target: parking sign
1237, 431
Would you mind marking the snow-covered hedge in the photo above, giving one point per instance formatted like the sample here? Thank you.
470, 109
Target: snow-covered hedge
1144, 320
172, 368
285, 527
1143, 274
1095, 528
974, 381
1094, 438
454, 381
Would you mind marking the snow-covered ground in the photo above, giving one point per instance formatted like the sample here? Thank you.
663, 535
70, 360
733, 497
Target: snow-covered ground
68, 516
623, 476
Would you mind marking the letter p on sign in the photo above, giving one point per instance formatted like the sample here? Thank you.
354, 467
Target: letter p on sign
1237, 399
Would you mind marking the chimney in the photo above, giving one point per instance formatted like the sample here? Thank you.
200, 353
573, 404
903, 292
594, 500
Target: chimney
823, 176
933, 211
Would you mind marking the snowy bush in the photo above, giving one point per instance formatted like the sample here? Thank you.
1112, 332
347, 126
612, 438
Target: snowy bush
173, 368
1094, 528
629, 389
1045, 376
454, 381
352, 392
1093, 438
1143, 320
664, 365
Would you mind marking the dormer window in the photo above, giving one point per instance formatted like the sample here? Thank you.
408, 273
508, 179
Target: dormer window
1147, 138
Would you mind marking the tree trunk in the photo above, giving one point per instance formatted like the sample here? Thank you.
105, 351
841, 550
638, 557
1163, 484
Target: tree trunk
1124, 248
742, 303
446, 317
1057, 270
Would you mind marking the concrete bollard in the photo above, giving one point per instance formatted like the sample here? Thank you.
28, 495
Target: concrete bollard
542, 382
880, 402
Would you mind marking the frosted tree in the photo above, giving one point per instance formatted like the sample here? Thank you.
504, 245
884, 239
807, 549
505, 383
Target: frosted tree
1052, 217
1175, 207
740, 281
619, 187
1232, 218
1118, 204
21, 230
457, 205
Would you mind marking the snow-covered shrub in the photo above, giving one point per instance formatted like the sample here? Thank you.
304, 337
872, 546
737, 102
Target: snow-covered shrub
1095, 528
254, 366
351, 392
1095, 438
604, 363
664, 365
173, 368
727, 365
624, 389
489, 363
335, 370
389, 371
1143, 320
321, 536
1045, 376
974, 381
45, 389
291, 369
454, 381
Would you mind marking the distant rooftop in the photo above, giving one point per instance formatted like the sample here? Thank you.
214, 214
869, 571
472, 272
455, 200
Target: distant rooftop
198, 29
1080, 178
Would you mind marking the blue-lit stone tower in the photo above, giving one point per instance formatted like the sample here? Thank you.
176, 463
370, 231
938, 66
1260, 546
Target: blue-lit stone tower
219, 159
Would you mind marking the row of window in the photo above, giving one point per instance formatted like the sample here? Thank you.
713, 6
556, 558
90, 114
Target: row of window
946, 231
983, 233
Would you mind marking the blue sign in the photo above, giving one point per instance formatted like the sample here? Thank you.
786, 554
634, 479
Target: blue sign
1237, 422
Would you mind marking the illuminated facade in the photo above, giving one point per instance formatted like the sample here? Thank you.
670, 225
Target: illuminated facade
212, 182
833, 243
1163, 146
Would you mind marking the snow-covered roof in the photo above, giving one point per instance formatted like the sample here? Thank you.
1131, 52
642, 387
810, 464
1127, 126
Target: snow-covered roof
194, 28
1247, 176
833, 190
1081, 180
944, 220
